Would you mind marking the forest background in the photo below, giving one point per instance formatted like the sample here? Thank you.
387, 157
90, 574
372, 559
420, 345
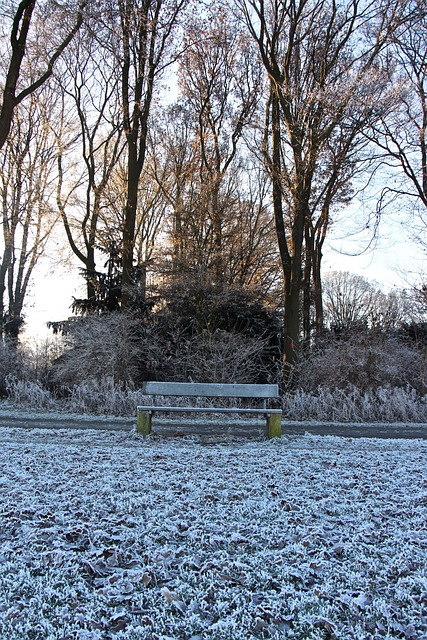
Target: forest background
194, 158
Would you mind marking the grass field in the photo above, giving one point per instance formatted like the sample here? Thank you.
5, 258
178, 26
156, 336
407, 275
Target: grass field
106, 535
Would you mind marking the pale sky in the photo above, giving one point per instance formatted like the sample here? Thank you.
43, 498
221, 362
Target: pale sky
394, 262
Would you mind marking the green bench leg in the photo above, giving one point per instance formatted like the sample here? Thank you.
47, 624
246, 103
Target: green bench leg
274, 425
143, 425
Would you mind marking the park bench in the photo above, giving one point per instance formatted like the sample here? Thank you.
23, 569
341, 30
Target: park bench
259, 392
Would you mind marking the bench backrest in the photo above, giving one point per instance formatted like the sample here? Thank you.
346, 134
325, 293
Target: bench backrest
208, 390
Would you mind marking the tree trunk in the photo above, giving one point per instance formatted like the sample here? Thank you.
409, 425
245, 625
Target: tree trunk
292, 298
317, 290
290, 260
306, 287
129, 221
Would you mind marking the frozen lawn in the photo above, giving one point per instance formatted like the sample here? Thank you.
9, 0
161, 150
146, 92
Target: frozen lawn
106, 535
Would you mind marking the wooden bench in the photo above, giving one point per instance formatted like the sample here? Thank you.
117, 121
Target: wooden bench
262, 392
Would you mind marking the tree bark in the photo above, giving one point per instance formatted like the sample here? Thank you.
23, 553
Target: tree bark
290, 255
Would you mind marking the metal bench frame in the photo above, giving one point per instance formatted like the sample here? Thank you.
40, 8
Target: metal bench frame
262, 392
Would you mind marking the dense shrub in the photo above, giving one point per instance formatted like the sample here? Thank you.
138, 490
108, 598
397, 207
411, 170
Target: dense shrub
200, 335
363, 375
221, 356
206, 335
363, 360
12, 362
98, 347
203, 307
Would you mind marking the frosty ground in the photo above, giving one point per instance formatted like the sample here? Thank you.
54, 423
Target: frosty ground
105, 534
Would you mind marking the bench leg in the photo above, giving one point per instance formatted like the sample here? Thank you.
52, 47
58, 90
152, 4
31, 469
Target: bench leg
143, 425
274, 425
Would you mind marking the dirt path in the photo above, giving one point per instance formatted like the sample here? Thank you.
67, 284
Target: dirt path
17, 417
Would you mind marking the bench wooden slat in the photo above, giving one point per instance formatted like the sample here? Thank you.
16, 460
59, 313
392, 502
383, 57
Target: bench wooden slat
155, 408
217, 390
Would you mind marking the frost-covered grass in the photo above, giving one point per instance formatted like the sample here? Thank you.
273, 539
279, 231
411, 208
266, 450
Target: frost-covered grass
107, 535
384, 404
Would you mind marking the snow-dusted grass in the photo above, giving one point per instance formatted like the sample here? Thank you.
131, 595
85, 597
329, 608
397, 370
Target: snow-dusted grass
107, 535
384, 404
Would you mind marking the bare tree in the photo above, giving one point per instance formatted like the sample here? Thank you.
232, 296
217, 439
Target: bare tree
221, 83
219, 225
27, 211
350, 300
322, 64
402, 134
145, 29
150, 215
249, 256
251, 259
89, 84
112, 206
348, 159
13, 93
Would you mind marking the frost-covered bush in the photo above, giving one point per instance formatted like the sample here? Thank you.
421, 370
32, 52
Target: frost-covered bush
12, 362
384, 404
103, 397
24, 362
99, 347
363, 360
29, 392
99, 397
40, 356
221, 356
